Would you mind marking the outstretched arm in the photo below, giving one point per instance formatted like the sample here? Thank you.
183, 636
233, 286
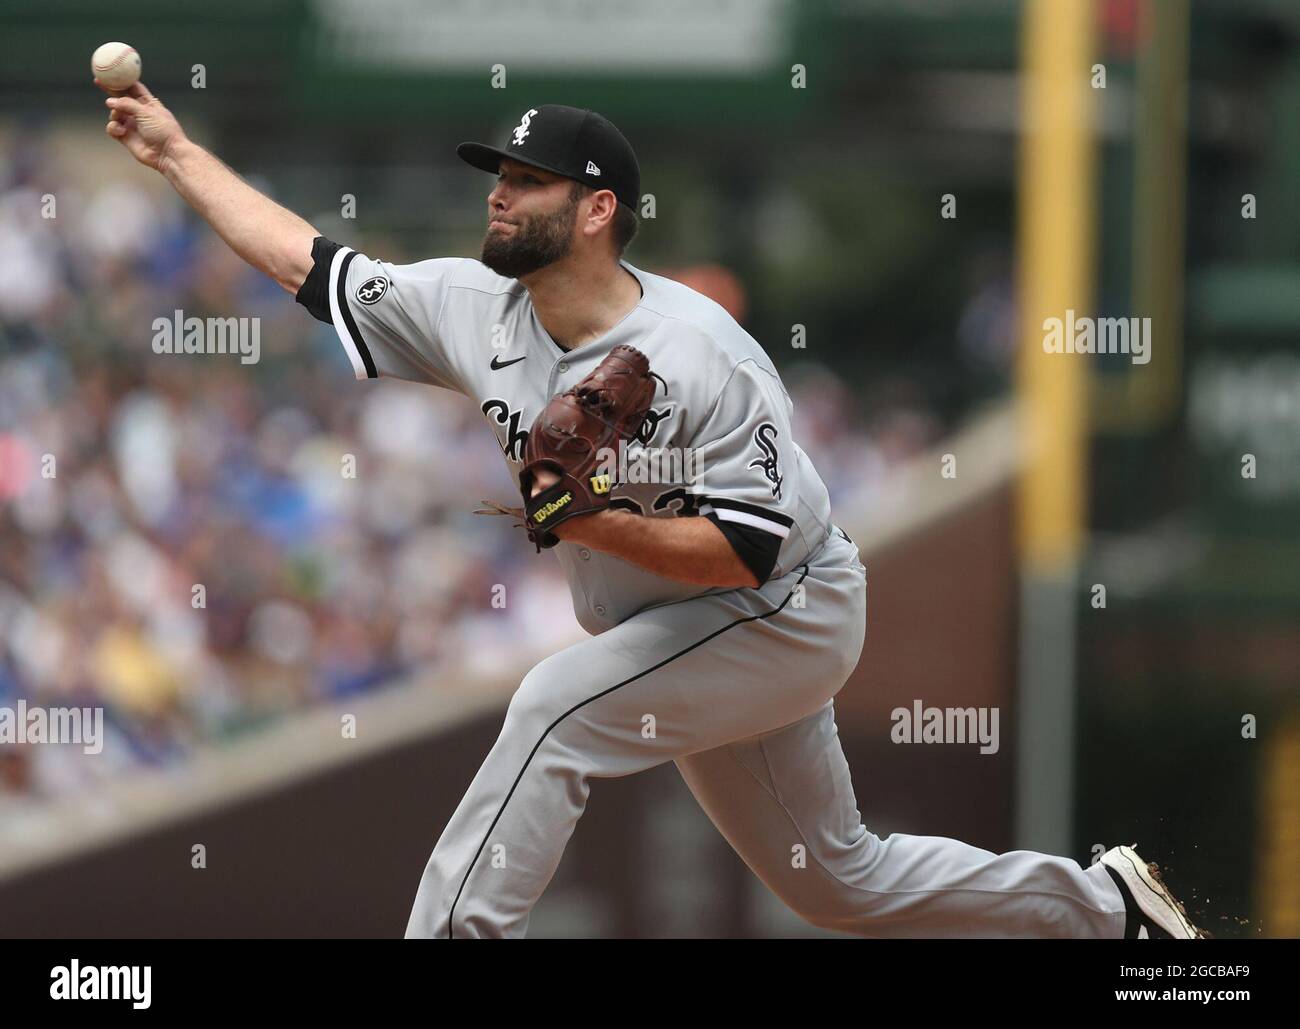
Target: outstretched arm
271, 238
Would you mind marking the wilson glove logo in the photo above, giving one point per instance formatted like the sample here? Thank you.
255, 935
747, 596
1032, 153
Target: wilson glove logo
600, 484
372, 290
546, 510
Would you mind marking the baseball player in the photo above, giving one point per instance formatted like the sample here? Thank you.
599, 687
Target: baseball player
725, 609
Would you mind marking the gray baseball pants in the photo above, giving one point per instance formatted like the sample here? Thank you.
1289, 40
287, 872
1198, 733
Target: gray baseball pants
737, 689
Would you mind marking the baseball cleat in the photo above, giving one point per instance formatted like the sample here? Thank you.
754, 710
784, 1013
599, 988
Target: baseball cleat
1153, 912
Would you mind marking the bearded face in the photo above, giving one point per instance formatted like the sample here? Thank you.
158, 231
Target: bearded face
520, 243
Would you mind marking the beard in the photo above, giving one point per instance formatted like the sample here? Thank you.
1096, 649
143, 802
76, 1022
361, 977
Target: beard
535, 242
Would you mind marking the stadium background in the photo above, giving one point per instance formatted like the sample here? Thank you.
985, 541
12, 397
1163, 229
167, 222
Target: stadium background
818, 206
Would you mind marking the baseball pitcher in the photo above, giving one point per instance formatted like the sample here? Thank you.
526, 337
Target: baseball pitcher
725, 608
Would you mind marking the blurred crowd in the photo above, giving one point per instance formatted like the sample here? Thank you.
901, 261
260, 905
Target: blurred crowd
181, 542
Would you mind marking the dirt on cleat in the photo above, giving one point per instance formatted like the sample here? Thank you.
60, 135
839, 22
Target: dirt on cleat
1154, 869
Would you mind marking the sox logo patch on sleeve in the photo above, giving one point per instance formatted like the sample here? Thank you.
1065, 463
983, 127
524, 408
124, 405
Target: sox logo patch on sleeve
770, 461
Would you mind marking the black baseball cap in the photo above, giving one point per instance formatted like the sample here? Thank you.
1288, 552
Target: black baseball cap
570, 141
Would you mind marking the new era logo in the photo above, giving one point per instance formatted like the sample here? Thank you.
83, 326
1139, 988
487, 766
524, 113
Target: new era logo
592, 169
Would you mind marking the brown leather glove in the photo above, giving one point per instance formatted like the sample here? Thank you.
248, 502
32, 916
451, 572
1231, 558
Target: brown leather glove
577, 436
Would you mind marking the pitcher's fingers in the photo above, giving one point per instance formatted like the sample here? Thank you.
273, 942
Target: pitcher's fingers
125, 104
140, 91
115, 129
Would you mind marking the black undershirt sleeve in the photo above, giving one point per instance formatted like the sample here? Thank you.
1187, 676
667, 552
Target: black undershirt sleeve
314, 294
758, 549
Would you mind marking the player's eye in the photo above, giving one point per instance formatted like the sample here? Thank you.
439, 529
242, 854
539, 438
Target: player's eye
532, 180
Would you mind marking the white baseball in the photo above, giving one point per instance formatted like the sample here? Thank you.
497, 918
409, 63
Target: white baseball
116, 65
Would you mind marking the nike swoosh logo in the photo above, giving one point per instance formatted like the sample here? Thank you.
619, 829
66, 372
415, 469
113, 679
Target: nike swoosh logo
498, 364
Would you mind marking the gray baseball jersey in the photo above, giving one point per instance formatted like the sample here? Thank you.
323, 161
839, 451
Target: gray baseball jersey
737, 683
722, 417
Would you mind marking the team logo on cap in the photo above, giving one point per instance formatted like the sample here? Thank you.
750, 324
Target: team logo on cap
372, 290
521, 130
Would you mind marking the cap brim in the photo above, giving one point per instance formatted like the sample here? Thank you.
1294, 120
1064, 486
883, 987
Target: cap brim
488, 158
485, 158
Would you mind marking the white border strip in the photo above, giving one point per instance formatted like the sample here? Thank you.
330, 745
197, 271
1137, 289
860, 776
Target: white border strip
336, 315
727, 514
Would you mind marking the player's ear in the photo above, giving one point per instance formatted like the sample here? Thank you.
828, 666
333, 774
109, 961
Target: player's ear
604, 205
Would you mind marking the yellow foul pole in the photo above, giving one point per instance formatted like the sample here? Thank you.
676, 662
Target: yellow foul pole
1055, 249
1056, 210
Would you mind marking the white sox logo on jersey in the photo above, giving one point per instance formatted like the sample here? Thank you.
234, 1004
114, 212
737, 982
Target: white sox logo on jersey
521, 130
499, 411
768, 462
372, 290
651, 424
